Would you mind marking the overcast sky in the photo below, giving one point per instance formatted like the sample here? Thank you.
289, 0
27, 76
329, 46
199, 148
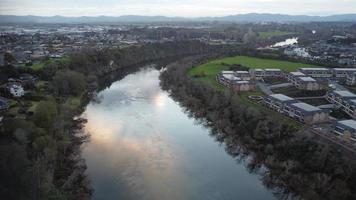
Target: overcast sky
186, 8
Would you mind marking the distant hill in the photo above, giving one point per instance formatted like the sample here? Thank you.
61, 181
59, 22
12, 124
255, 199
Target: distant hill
251, 17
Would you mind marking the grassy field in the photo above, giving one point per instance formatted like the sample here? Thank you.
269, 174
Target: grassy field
268, 34
38, 66
208, 71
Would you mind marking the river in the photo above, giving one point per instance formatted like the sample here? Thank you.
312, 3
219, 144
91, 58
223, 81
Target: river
144, 146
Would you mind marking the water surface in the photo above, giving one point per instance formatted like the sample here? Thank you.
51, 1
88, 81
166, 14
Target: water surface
143, 146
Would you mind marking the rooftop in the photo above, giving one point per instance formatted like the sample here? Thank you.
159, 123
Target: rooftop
307, 79
231, 77
297, 74
273, 70
344, 93
349, 123
242, 82
315, 69
344, 69
242, 72
281, 97
227, 72
306, 107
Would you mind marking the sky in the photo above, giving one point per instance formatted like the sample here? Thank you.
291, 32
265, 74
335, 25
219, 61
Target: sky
182, 8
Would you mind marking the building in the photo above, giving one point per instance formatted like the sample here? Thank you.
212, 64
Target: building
306, 113
317, 72
307, 83
278, 102
291, 76
15, 89
243, 75
259, 74
346, 128
338, 97
243, 86
342, 73
344, 100
4, 105
300, 111
230, 80
271, 73
227, 78
351, 79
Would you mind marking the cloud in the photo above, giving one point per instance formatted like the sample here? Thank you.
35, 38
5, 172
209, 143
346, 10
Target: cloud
188, 8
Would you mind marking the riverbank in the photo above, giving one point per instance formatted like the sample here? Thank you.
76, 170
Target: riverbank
294, 160
46, 140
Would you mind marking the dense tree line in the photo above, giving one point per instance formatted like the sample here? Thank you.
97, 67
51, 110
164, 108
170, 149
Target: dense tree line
40, 154
292, 163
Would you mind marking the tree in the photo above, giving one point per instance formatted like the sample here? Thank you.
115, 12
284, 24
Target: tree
9, 58
67, 82
45, 113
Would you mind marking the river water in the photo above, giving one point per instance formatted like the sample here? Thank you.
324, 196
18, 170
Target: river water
144, 146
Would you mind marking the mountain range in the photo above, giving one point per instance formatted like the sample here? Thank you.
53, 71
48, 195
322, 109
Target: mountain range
251, 17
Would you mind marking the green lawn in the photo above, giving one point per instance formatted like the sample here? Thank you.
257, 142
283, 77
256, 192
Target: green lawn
209, 70
268, 34
38, 66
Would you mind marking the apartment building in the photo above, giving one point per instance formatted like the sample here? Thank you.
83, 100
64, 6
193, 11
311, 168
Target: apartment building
317, 72
342, 73
346, 128
230, 80
344, 100
300, 111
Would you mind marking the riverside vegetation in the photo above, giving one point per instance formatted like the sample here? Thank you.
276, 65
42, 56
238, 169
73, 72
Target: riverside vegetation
292, 163
40, 153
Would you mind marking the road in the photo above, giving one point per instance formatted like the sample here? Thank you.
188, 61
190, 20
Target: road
280, 85
264, 88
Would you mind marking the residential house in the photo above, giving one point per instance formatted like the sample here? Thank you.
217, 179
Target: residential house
15, 89
346, 128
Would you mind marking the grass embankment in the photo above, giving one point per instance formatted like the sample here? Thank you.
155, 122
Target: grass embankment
269, 34
207, 72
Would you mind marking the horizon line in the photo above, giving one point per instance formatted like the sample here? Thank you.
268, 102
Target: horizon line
309, 15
